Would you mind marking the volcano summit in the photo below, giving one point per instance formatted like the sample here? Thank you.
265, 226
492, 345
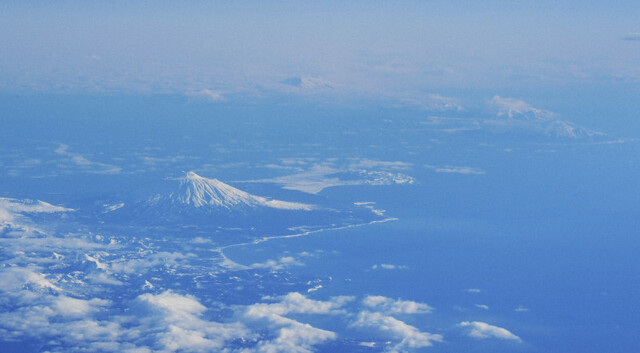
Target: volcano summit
200, 192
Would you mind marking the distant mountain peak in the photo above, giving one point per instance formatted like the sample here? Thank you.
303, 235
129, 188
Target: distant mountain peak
192, 175
307, 82
198, 191
522, 114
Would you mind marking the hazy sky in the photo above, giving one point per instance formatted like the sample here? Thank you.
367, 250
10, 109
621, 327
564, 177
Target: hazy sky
356, 47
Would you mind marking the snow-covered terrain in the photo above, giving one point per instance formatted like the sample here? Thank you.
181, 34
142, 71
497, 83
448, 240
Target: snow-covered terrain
204, 192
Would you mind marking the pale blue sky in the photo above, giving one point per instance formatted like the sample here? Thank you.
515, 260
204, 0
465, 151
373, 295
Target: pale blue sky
358, 48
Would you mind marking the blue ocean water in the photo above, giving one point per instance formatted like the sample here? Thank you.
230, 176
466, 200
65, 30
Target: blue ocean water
552, 253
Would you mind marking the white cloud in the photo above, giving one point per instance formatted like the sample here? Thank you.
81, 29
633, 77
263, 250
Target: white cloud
209, 95
445, 103
409, 336
473, 290
178, 338
45, 306
431, 101
389, 267
95, 260
201, 240
178, 321
89, 166
294, 336
457, 170
392, 306
386, 165
36, 309
176, 306
14, 278
90, 332
283, 262
72, 307
166, 322
297, 303
483, 330
371, 206
27, 206
482, 306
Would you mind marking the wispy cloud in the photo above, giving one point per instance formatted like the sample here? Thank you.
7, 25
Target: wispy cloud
396, 306
357, 163
294, 336
444, 103
483, 330
389, 267
208, 95
179, 324
298, 304
430, 101
73, 307
13, 279
407, 337
283, 262
456, 170
86, 164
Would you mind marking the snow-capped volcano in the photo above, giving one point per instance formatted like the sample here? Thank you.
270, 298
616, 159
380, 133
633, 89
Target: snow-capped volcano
201, 192
203, 202
523, 116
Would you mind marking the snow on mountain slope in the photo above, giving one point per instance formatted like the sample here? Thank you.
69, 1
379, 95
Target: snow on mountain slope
199, 192
522, 115
12, 212
10, 207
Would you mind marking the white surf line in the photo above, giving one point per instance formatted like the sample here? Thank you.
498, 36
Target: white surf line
230, 263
